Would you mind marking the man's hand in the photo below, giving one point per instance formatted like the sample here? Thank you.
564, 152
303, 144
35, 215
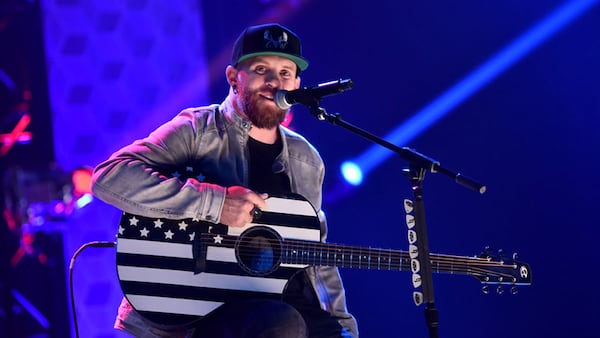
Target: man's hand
239, 206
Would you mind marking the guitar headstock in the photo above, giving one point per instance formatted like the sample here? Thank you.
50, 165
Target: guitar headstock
501, 271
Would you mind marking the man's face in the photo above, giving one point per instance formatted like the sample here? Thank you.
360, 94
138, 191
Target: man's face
258, 79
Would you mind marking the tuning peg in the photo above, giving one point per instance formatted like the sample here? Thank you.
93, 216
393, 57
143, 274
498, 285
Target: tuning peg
485, 289
515, 256
514, 290
500, 289
501, 253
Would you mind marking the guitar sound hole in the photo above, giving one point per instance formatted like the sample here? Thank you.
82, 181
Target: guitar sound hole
258, 250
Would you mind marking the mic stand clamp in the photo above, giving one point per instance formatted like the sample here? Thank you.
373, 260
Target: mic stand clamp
321, 114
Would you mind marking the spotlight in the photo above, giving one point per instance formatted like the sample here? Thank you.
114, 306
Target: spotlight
352, 173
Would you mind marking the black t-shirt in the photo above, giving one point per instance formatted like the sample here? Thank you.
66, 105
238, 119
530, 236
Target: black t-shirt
263, 177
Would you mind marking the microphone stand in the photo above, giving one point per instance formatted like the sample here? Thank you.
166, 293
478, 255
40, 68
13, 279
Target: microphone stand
419, 164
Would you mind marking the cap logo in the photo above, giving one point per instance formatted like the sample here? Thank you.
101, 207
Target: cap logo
280, 42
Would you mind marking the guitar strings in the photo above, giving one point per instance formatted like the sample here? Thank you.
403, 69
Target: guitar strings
330, 254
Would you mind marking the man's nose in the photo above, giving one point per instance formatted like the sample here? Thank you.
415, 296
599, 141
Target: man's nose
272, 80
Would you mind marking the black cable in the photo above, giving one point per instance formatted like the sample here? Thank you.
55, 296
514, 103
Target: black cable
97, 244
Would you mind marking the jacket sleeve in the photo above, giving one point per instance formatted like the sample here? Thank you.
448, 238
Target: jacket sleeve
137, 178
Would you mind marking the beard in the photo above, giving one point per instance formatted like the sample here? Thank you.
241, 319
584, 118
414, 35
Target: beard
262, 115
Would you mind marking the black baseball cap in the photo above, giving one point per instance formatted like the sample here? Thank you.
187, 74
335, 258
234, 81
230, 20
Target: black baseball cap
268, 39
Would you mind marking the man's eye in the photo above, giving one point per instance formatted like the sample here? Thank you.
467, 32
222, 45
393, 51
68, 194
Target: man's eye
286, 73
260, 70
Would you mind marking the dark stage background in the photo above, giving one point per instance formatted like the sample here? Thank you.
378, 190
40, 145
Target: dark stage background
529, 132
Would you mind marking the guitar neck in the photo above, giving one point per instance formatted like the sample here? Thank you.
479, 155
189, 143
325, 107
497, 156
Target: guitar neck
345, 256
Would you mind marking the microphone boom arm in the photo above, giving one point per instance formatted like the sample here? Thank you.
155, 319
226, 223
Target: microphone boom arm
413, 157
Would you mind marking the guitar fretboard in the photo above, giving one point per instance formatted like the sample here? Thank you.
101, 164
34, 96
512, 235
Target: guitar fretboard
356, 257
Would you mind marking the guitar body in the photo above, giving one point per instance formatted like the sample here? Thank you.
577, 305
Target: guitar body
174, 272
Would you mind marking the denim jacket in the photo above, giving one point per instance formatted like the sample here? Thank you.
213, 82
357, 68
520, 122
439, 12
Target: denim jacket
145, 178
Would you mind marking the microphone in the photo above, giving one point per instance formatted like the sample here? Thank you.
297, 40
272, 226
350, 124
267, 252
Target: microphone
284, 99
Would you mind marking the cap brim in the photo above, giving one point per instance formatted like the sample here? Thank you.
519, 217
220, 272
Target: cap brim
302, 63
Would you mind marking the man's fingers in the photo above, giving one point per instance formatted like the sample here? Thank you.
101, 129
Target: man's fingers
255, 199
242, 206
260, 203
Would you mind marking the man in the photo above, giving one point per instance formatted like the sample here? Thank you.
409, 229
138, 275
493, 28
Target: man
243, 154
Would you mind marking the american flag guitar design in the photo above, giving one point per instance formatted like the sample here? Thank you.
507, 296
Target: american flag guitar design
177, 271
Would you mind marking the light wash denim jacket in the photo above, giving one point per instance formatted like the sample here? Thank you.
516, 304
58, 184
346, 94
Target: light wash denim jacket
211, 141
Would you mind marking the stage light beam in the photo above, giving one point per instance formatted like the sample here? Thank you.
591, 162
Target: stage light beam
466, 87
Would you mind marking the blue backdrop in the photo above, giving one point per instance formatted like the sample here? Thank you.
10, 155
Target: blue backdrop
528, 129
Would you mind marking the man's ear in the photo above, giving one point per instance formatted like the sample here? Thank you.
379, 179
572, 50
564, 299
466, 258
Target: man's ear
297, 82
231, 75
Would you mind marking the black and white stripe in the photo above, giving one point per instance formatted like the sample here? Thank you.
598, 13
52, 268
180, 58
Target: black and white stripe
155, 263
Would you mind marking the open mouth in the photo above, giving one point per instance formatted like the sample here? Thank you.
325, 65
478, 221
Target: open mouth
267, 96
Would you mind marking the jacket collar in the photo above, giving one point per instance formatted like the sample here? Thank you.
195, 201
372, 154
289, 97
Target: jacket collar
233, 116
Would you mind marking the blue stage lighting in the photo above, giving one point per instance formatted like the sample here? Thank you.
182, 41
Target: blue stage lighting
352, 173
